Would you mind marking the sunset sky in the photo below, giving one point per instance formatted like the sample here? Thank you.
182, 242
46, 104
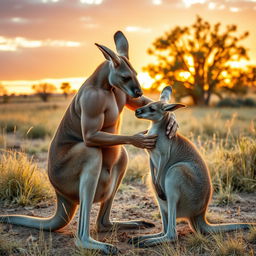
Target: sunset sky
54, 39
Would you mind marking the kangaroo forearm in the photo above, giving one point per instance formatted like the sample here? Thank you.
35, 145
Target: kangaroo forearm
101, 139
146, 100
133, 104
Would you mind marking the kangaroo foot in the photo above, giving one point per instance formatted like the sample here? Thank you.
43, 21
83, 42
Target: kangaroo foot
137, 239
155, 241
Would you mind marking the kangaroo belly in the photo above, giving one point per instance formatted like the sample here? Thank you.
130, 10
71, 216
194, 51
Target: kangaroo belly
65, 173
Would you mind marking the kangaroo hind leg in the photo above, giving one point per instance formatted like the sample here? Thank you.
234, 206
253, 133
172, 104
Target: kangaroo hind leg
172, 193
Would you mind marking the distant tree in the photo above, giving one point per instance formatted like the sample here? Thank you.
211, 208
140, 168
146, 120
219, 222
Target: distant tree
196, 60
4, 93
66, 89
44, 90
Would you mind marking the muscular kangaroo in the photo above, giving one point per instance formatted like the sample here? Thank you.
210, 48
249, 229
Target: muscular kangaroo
180, 177
86, 161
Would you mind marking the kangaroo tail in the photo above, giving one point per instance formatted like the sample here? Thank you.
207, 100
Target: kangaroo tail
200, 224
63, 215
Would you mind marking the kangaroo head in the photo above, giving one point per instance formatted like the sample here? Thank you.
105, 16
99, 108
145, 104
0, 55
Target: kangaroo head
155, 111
121, 73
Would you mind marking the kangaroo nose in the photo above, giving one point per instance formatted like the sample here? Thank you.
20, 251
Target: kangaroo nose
138, 111
138, 92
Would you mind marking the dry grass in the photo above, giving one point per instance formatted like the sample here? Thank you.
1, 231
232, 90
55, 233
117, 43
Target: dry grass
225, 137
252, 236
21, 180
39, 247
229, 246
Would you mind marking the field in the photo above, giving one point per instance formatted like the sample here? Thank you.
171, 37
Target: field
226, 137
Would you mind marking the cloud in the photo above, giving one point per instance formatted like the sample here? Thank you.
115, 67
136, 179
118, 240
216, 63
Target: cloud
50, 1
188, 3
137, 29
19, 20
16, 20
231, 5
234, 9
91, 2
157, 2
89, 23
16, 43
212, 5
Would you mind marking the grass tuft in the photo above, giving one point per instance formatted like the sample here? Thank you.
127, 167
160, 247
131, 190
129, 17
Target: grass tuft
198, 243
21, 181
8, 246
234, 169
40, 247
252, 236
231, 247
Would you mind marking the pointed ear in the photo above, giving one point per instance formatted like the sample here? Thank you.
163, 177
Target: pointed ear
122, 45
109, 55
166, 94
172, 107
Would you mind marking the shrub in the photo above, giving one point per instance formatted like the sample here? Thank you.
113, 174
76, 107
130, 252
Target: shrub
37, 132
9, 126
249, 102
228, 102
234, 103
21, 181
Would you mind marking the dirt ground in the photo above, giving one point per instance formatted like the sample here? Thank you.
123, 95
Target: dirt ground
132, 202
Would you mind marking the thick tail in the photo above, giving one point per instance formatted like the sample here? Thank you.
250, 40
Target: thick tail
63, 215
200, 224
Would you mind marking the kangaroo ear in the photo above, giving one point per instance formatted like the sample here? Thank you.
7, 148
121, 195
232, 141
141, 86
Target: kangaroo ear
122, 45
172, 107
166, 94
109, 55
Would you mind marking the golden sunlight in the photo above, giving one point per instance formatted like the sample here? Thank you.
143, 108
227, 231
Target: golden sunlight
145, 80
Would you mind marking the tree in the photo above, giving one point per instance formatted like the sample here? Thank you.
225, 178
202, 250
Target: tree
4, 93
197, 60
66, 89
44, 90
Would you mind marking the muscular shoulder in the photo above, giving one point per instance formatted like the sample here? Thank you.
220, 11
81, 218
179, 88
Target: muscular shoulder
92, 101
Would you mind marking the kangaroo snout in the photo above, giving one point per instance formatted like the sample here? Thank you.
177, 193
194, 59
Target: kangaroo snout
138, 112
138, 93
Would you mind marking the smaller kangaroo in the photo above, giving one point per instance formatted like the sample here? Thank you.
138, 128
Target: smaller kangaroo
180, 178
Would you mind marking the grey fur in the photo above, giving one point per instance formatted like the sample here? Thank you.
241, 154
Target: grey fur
180, 177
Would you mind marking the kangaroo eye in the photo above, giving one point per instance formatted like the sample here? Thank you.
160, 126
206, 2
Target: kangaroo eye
126, 78
151, 109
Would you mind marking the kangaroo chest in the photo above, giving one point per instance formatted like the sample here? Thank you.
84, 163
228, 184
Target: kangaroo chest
114, 107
